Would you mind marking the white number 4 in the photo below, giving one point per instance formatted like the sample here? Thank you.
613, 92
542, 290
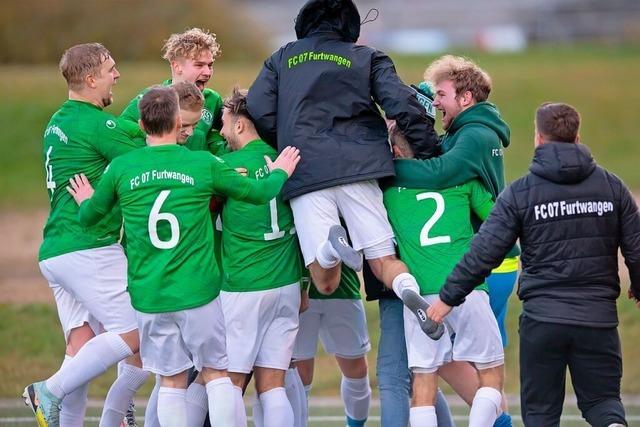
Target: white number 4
425, 240
155, 216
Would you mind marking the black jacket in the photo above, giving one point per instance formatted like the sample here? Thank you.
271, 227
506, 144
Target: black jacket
571, 217
319, 94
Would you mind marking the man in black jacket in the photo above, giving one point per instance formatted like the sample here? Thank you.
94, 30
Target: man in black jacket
320, 94
571, 216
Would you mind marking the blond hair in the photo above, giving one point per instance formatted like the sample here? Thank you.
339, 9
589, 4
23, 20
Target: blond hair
464, 73
190, 44
189, 95
82, 60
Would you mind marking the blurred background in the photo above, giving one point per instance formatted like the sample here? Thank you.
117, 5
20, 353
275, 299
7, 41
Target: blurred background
583, 52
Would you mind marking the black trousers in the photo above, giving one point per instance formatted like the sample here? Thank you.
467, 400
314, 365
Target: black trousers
594, 361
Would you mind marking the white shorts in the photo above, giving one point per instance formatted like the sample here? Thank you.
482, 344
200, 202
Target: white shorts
71, 313
340, 324
261, 327
173, 342
359, 203
97, 280
477, 338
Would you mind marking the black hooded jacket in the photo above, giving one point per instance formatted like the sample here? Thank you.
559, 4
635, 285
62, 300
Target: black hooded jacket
319, 94
571, 216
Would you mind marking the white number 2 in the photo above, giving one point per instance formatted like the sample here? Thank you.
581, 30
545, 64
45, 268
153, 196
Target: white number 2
425, 240
155, 216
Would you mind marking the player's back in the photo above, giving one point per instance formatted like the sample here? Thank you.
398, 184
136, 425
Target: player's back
164, 193
80, 138
433, 228
259, 244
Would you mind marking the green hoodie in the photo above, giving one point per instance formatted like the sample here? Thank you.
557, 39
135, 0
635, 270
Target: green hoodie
472, 148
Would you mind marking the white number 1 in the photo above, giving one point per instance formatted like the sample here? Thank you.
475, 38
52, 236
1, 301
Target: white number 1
425, 240
276, 233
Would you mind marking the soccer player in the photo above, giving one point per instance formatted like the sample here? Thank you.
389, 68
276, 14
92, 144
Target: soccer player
261, 274
86, 267
572, 217
164, 192
433, 230
320, 93
339, 321
191, 55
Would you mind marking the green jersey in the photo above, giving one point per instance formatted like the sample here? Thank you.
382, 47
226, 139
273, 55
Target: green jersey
349, 287
433, 228
80, 138
206, 135
164, 193
259, 246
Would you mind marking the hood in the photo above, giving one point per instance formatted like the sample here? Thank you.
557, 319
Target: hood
484, 113
562, 162
340, 16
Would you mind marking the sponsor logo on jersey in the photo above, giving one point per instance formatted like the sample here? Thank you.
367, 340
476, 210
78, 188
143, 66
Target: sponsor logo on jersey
111, 124
207, 116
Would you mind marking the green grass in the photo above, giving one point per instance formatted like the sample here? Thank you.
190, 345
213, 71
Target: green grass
33, 347
599, 80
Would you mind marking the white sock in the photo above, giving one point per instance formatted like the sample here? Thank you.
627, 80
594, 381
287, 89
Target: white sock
222, 402
172, 408
326, 256
197, 405
130, 379
276, 407
74, 405
258, 416
151, 411
94, 358
486, 407
297, 397
356, 395
424, 416
241, 412
404, 281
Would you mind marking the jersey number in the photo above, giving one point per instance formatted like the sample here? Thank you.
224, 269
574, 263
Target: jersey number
275, 230
425, 240
51, 184
156, 216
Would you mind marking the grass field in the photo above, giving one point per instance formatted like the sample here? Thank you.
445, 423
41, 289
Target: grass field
598, 80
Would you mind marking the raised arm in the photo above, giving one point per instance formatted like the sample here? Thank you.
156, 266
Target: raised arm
400, 103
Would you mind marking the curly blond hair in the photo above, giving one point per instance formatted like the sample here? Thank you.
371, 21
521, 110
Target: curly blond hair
464, 73
190, 44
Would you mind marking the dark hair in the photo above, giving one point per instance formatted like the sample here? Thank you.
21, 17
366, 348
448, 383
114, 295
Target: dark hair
189, 96
159, 109
558, 122
236, 103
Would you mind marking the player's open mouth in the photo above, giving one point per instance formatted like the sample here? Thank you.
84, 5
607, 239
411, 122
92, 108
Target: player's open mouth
201, 83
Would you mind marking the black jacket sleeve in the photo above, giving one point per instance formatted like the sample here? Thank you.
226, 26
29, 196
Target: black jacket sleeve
262, 102
630, 237
496, 237
399, 103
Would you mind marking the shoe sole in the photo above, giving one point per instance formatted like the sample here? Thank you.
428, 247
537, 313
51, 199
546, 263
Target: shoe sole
29, 396
349, 256
418, 307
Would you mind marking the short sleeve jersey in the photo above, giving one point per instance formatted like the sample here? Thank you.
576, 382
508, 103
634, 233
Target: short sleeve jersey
433, 228
206, 134
80, 138
164, 192
259, 245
